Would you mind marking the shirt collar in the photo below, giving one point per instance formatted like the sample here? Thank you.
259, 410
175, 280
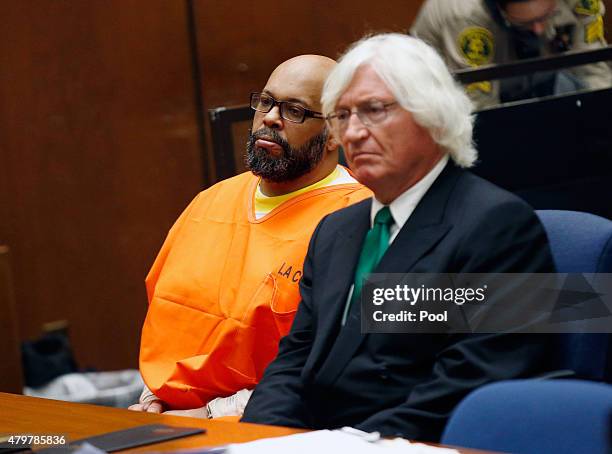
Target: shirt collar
403, 206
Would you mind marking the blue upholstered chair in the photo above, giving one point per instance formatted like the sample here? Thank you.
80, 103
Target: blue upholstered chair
582, 243
551, 416
535, 416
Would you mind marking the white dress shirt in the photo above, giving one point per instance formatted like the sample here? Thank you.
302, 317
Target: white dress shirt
403, 206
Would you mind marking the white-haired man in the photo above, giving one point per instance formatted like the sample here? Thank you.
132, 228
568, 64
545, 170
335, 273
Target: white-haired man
406, 130
472, 33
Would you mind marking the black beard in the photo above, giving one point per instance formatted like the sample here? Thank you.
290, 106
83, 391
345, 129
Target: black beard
292, 164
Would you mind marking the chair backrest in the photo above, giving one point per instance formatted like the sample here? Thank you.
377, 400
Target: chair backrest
582, 243
534, 416
229, 128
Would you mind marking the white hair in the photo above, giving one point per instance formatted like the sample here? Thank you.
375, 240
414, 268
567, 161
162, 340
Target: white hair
420, 82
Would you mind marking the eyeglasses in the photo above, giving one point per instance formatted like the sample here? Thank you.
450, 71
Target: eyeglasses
370, 113
288, 110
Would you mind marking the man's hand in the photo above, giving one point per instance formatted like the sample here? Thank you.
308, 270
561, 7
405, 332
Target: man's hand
229, 406
216, 408
155, 406
221, 406
148, 402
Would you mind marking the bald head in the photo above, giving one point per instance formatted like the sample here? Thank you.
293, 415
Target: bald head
302, 77
287, 153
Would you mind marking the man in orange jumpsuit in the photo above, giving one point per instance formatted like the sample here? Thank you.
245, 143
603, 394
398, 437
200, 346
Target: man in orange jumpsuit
224, 287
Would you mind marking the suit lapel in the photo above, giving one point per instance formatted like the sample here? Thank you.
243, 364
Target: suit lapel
423, 230
409, 246
425, 227
345, 254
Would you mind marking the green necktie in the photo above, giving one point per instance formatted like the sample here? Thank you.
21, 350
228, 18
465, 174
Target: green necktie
374, 246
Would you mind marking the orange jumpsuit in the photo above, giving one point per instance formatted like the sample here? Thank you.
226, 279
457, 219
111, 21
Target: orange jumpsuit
224, 289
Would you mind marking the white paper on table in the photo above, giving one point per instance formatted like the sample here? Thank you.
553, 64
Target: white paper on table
335, 441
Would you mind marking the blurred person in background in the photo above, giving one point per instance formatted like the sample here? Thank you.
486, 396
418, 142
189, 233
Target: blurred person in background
473, 33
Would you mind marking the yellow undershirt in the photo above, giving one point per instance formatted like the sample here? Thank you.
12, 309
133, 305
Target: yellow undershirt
265, 204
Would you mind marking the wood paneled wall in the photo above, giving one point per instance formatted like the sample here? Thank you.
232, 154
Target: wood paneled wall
11, 379
99, 153
239, 46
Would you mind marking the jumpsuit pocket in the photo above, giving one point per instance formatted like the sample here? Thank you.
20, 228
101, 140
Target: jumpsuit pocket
284, 305
273, 305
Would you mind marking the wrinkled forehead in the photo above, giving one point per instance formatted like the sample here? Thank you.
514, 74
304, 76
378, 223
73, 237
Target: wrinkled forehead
297, 83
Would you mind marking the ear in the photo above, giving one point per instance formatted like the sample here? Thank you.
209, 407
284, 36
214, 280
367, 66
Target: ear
332, 144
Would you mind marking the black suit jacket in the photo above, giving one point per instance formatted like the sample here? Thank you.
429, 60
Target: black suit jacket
402, 384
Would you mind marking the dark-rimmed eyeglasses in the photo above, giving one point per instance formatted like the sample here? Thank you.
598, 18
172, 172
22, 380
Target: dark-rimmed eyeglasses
369, 113
289, 111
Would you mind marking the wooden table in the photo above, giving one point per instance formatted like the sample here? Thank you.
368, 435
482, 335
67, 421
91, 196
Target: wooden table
22, 414
31, 415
